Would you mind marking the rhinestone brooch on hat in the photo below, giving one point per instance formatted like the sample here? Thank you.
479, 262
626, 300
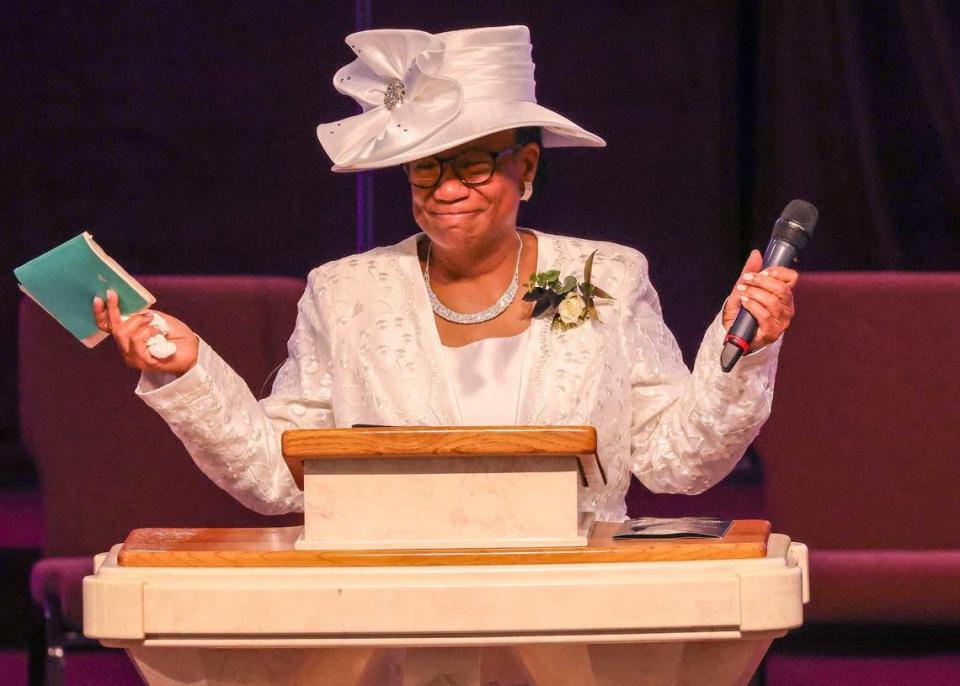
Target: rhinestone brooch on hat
393, 96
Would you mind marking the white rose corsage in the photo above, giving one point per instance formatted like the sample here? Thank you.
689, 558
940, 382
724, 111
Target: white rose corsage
572, 302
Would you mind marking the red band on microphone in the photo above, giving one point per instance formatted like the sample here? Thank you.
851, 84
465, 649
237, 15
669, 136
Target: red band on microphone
739, 342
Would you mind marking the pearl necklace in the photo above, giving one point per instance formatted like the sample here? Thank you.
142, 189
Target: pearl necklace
495, 310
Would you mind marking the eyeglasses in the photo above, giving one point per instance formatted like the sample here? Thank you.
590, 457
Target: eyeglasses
473, 167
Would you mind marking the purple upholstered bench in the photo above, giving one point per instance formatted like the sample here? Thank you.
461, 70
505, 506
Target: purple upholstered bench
861, 459
106, 462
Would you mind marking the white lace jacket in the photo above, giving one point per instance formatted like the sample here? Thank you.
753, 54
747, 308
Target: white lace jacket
366, 350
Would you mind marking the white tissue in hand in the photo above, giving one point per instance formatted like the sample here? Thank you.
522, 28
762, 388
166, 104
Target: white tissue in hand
160, 324
158, 345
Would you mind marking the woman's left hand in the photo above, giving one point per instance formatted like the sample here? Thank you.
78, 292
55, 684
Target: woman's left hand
767, 295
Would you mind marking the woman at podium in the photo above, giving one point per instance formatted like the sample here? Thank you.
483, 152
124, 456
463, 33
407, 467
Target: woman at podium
448, 327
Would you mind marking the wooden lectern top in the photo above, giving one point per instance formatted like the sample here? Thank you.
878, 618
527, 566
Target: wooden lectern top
273, 547
426, 441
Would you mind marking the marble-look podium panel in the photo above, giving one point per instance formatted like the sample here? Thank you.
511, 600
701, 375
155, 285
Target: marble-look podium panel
445, 502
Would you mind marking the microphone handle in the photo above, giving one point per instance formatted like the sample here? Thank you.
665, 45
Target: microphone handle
779, 254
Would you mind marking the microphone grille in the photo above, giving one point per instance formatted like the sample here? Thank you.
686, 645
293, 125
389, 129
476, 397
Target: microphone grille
801, 213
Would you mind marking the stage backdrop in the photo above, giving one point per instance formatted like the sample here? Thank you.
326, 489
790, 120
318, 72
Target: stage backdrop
181, 134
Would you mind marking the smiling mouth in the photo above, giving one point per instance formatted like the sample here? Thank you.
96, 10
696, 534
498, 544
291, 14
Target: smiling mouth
454, 214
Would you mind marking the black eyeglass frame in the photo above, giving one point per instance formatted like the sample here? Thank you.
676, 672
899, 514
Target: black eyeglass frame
494, 158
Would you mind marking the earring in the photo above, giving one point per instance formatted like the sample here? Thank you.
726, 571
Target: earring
527, 191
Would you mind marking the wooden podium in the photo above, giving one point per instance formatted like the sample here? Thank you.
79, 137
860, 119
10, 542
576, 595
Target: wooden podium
225, 606
428, 488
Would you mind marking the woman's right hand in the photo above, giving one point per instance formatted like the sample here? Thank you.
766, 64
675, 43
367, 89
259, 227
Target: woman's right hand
131, 337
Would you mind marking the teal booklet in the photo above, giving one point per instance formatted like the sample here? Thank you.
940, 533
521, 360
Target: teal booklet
64, 280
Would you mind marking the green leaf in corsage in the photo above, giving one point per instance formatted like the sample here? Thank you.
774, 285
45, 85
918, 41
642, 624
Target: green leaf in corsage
570, 307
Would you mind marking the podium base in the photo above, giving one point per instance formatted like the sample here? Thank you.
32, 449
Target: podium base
723, 663
260, 617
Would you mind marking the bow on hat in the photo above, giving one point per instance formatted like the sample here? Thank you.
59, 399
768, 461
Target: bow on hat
394, 80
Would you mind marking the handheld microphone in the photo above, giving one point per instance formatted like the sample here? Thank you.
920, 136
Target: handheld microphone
790, 234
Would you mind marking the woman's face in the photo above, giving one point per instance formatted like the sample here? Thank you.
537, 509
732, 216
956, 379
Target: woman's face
460, 217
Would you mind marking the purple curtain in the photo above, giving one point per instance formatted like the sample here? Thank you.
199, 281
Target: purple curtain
858, 109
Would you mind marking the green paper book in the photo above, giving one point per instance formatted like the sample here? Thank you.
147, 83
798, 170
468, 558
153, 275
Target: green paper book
64, 280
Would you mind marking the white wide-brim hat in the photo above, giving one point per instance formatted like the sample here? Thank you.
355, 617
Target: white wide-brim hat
424, 93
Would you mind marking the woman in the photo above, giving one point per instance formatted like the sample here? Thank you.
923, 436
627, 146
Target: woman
435, 331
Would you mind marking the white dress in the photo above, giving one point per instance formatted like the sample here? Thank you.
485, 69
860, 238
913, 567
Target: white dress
365, 350
486, 378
